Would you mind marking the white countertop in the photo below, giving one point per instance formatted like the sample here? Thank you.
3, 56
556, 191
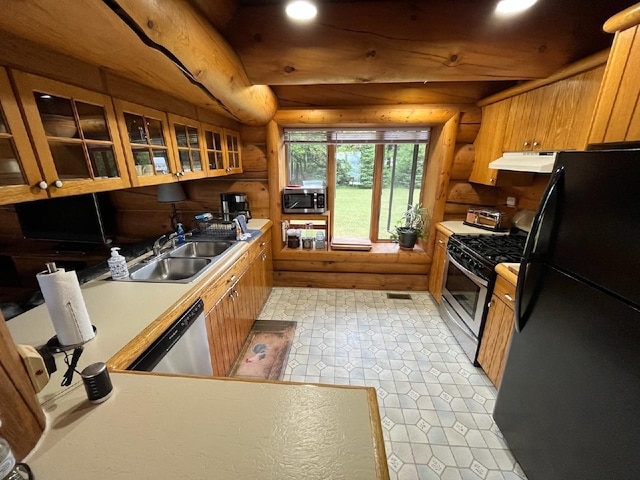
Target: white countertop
118, 310
201, 428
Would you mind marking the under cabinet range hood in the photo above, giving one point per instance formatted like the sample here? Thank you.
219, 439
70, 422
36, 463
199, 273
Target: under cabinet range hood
534, 162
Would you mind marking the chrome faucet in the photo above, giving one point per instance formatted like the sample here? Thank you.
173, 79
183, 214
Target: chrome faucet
157, 247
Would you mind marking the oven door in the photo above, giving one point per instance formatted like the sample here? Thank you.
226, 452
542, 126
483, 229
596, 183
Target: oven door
464, 297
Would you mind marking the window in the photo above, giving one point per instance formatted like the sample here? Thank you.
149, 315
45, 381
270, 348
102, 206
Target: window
371, 175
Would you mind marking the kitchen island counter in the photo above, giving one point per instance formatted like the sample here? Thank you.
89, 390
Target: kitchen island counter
160, 426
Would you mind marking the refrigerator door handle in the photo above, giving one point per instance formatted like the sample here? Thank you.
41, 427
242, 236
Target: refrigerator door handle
531, 243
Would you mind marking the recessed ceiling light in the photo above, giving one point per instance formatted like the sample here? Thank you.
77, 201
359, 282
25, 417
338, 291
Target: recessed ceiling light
301, 10
507, 7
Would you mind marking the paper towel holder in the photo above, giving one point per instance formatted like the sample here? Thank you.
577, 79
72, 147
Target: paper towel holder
54, 346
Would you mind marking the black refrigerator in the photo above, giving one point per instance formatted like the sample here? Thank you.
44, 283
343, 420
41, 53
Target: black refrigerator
569, 402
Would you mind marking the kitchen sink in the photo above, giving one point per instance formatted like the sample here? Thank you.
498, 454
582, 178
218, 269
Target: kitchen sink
169, 270
200, 249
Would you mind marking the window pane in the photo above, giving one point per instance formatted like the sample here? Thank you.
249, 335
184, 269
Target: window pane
10, 171
208, 137
401, 182
161, 161
181, 135
92, 122
142, 159
185, 162
217, 141
354, 187
156, 137
197, 162
193, 137
306, 163
103, 161
215, 161
70, 160
135, 128
3, 124
57, 115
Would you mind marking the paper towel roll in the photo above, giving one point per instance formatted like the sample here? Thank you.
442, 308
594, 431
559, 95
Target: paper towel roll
68, 312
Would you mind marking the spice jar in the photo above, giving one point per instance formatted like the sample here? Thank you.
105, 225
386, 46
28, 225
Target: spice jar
320, 242
307, 243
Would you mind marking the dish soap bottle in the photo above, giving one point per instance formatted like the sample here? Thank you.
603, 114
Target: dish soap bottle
117, 265
180, 232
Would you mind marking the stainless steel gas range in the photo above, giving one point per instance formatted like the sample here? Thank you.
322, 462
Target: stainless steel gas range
468, 282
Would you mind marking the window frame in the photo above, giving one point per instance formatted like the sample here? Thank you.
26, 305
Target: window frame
378, 169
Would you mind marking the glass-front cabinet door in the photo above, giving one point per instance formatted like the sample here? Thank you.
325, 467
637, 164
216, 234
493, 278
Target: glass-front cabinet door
146, 135
213, 143
75, 135
188, 144
20, 177
232, 146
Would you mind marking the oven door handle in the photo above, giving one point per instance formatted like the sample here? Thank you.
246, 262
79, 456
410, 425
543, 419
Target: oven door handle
475, 278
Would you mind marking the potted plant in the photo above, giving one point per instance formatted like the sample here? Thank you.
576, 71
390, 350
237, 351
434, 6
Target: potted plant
411, 226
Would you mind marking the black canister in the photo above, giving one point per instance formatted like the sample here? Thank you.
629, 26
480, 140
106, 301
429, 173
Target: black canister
97, 382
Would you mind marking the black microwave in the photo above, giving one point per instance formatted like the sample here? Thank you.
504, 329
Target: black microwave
304, 200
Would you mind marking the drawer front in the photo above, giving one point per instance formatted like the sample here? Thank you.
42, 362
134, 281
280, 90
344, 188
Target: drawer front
505, 291
441, 239
215, 290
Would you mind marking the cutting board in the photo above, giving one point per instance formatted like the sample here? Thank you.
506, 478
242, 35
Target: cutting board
351, 243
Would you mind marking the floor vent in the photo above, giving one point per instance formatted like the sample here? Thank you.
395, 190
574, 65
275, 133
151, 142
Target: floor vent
399, 296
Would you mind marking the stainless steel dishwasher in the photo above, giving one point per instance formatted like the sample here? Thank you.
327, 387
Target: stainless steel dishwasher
182, 349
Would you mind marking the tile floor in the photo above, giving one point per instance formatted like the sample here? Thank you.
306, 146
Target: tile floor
435, 406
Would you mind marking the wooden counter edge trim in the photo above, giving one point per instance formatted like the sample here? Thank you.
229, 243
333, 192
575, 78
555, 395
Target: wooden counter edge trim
508, 275
587, 63
627, 18
377, 438
441, 228
123, 357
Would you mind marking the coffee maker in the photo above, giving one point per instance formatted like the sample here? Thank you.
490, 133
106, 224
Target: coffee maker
234, 204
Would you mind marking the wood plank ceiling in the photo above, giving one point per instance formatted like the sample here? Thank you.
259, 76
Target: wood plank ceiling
406, 52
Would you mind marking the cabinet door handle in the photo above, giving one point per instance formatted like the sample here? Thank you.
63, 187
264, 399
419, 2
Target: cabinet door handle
536, 144
441, 242
43, 185
508, 297
231, 278
490, 304
232, 297
236, 292
262, 244
527, 143
58, 183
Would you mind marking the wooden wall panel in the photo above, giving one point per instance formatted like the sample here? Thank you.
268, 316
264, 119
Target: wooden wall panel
527, 198
367, 281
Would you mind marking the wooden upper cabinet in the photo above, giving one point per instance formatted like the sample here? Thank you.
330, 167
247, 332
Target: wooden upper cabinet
20, 177
188, 147
233, 151
147, 145
617, 113
214, 146
489, 142
555, 116
75, 136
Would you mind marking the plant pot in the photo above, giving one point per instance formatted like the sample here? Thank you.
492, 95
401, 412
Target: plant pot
407, 239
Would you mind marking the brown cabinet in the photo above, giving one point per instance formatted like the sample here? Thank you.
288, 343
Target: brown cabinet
75, 136
245, 287
188, 146
498, 329
436, 275
147, 146
617, 114
20, 177
232, 151
550, 117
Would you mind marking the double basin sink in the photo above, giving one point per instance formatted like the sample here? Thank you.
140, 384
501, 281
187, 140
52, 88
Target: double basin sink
183, 263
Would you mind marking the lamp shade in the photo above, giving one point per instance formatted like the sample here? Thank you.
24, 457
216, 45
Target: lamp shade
171, 193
